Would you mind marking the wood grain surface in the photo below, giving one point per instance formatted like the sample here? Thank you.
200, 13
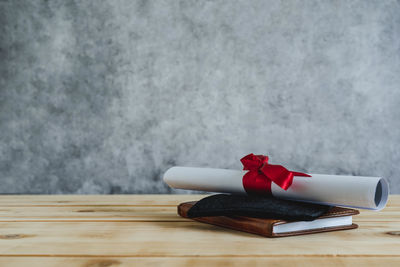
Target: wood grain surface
127, 230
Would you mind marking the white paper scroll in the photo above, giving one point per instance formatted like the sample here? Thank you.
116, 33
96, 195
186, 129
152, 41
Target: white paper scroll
338, 190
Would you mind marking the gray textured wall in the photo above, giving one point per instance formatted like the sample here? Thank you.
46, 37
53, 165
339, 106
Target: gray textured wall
104, 96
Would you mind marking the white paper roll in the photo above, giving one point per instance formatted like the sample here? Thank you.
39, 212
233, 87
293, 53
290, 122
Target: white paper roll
338, 190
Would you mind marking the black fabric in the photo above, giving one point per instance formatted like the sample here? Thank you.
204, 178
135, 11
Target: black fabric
256, 206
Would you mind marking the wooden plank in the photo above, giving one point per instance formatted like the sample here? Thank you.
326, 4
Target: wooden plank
388, 214
118, 211
115, 200
90, 213
197, 261
95, 200
135, 213
161, 239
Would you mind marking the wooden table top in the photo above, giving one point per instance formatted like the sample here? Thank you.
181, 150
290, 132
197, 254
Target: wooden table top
125, 230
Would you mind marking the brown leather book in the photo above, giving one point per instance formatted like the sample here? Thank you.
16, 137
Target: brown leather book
336, 219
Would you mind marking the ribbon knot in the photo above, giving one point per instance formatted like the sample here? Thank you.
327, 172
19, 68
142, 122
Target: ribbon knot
261, 174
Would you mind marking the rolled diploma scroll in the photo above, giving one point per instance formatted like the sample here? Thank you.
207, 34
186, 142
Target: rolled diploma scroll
339, 190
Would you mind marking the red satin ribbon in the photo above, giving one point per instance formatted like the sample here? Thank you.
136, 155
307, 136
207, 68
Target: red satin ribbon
260, 175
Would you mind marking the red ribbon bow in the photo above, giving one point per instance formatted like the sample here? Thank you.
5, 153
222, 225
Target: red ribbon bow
260, 175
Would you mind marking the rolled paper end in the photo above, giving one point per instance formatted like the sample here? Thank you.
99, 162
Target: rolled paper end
168, 176
381, 194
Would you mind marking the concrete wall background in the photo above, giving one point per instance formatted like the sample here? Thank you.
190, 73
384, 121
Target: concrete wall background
104, 96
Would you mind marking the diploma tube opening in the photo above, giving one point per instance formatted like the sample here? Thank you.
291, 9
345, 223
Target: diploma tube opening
381, 194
